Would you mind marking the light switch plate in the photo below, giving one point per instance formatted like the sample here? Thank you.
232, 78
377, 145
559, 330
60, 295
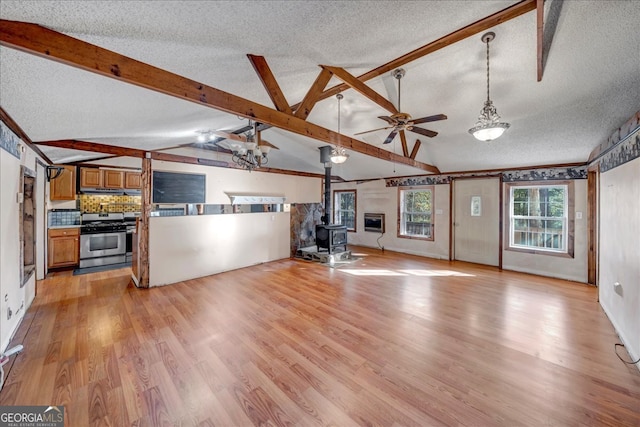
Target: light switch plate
578, 215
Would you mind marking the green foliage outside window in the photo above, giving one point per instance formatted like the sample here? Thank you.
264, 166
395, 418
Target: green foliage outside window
416, 213
539, 217
345, 209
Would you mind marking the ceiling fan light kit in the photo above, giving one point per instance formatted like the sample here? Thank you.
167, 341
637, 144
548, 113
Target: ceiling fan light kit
339, 154
488, 127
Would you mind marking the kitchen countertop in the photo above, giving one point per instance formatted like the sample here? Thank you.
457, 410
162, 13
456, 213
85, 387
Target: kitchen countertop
53, 227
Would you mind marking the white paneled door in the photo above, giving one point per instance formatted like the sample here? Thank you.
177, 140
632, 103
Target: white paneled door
477, 220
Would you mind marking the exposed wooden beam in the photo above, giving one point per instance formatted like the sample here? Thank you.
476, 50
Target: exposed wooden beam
15, 128
351, 81
311, 98
228, 135
540, 36
476, 27
416, 147
94, 147
46, 43
270, 83
403, 141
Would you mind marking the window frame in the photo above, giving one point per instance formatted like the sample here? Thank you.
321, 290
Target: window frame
569, 218
337, 210
401, 191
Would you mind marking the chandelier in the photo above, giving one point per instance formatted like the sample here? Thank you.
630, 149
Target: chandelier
488, 127
339, 154
250, 155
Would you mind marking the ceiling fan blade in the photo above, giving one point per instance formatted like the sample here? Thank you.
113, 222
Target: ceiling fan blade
429, 119
388, 119
390, 137
374, 130
425, 132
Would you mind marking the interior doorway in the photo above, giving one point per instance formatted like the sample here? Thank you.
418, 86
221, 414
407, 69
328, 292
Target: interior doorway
476, 220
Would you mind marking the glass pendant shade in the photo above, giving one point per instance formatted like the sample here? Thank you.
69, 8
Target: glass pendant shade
339, 155
488, 127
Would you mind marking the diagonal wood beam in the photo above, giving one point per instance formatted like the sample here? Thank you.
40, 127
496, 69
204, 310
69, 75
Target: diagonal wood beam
403, 141
167, 157
351, 81
94, 147
311, 98
416, 147
474, 28
43, 42
15, 128
540, 36
270, 83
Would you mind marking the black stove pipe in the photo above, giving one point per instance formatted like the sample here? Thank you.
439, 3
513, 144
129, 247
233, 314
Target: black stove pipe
325, 157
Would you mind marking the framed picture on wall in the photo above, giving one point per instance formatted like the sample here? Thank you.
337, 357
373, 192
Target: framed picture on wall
476, 206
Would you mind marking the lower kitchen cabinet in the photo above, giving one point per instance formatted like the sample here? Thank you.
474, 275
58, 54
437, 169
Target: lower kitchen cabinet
64, 247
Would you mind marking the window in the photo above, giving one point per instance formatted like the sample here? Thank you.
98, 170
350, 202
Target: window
416, 210
540, 218
344, 211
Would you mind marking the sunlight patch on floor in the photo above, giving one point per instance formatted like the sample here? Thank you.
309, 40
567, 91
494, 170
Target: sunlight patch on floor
436, 273
425, 273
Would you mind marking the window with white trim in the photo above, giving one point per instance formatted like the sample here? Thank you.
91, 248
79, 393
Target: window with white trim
416, 212
344, 210
540, 218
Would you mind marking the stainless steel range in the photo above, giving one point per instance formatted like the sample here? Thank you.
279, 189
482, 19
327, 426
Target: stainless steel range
102, 239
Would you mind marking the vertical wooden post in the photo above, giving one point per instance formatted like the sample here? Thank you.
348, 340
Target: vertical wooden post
143, 238
592, 221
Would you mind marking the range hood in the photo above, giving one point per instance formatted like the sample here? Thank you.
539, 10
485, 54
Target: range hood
255, 199
104, 191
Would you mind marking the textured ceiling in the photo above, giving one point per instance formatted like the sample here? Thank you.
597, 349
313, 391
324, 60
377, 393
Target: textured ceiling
591, 82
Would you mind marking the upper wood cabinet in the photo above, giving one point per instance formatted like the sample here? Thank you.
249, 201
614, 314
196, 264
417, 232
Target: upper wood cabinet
105, 178
132, 180
112, 178
90, 178
64, 186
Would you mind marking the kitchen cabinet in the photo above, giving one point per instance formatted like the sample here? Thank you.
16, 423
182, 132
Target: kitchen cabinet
133, 180
64, 247
102, 178
112, 178
64, 186
90, 178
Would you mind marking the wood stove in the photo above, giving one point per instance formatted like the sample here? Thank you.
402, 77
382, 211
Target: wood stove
331, 237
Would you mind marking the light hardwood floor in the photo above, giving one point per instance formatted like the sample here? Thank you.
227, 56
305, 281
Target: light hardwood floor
392, 340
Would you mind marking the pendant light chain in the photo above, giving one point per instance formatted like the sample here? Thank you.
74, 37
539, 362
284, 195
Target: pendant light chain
488, 98
339, 96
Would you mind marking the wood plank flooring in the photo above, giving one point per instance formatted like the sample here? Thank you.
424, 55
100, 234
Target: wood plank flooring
390, 340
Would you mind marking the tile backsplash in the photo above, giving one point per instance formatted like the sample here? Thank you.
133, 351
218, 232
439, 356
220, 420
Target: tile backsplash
60, 217
95, 203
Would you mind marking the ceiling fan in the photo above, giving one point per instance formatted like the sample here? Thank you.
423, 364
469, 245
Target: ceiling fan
399, 122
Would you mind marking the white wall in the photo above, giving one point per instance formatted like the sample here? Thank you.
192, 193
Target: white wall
296, 189
620, 251
375, 197
187, 247
10, 247
565, 268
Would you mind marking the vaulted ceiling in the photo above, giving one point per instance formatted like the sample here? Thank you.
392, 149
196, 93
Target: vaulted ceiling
589, 86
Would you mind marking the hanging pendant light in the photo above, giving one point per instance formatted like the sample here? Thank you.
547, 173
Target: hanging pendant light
488, 127
339, 154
